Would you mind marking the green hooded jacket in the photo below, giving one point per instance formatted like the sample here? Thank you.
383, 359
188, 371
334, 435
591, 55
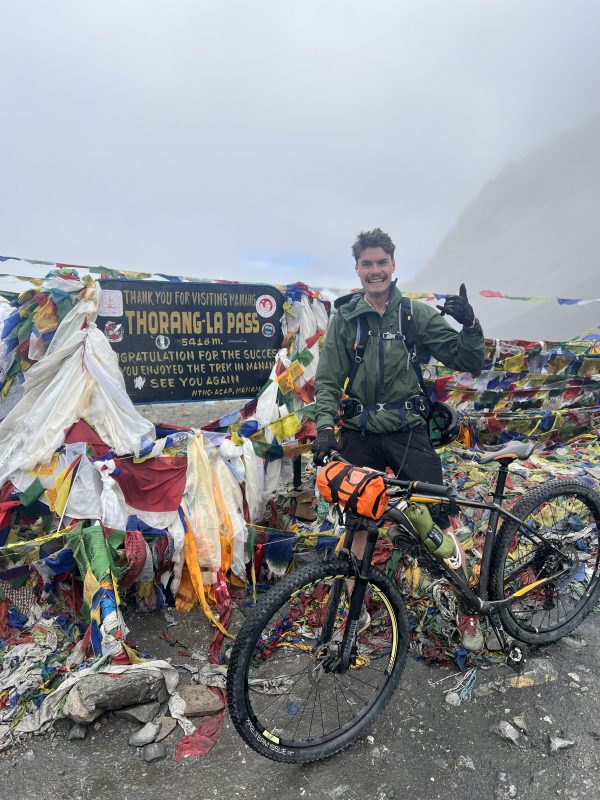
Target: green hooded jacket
460, 350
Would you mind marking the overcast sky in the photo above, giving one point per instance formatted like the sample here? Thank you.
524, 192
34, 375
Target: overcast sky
252, 140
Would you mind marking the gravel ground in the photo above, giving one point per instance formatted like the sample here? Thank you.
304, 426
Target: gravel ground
191, 415
421, 747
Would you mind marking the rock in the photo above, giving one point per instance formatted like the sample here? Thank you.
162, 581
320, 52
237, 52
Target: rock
96, 693
142, 713
558, 743
574, 676
507, 731
78, 711
575, 643
77, 732
144, 735
200, 701
541, 671
167, 725
492, 642
485, 690
453, 699
154, 752
519, 722
506, 789
306, 512
465, 762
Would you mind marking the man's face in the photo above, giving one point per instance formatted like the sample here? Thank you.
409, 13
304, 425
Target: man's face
375, 268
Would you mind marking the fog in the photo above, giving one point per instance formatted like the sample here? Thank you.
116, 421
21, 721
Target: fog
252, 141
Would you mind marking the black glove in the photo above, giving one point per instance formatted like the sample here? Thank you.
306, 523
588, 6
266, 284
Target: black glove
324, 444
458, 306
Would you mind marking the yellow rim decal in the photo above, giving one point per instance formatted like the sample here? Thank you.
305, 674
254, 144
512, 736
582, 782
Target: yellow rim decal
380, 596
271, 737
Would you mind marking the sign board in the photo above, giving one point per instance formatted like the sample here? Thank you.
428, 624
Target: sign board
191, 341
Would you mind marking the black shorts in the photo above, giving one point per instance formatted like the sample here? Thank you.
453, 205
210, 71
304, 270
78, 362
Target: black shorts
408, 453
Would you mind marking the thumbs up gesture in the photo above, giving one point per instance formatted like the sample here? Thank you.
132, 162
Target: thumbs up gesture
458, 306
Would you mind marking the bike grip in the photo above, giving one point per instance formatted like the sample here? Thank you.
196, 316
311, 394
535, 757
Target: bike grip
433, 489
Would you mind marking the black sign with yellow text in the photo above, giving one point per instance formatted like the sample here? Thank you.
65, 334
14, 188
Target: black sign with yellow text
191, 341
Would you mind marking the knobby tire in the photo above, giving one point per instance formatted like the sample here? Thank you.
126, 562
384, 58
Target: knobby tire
257, 636
558, 507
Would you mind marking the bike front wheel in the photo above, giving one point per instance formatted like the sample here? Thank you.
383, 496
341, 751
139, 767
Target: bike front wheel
285, 698
565, 518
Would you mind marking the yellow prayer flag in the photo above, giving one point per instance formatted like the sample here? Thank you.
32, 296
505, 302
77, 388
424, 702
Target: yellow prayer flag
286, 384
285, 427
515, 363
45, 470
296, 370
59, 493
90, 587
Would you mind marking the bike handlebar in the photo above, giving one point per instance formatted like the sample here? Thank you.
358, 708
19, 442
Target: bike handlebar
413, 487
434, 489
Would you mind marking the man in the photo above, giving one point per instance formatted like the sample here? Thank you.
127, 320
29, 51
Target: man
383, 424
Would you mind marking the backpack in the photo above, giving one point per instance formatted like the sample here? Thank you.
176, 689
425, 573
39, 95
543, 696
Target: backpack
442, 420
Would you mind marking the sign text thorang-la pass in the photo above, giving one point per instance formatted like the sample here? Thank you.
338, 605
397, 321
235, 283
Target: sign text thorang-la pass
191, 341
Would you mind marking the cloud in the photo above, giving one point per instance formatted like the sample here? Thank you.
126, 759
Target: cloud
240, 140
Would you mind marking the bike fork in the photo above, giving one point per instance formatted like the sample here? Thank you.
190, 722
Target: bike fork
342, 662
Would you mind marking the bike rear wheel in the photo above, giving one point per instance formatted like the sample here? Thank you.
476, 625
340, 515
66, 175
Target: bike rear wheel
567, 515
283, 699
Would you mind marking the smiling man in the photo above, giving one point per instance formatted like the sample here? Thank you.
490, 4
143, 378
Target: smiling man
366, 357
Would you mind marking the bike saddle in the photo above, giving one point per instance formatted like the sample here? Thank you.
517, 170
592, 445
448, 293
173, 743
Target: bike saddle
508, 452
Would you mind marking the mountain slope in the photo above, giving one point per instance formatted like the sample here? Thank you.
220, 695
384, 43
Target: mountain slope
534, 230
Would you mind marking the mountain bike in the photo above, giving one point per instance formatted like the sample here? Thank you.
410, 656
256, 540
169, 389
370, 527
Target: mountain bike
321, 653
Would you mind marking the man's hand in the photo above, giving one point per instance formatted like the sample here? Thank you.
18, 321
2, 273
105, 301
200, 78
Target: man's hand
458, 306
324, 444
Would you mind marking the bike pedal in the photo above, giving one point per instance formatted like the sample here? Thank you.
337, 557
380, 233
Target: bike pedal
517, 656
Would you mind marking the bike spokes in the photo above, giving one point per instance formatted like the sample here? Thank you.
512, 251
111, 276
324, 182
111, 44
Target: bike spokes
553, 570
296, 693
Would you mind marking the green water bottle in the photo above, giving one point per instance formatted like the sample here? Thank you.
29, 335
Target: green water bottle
429, 533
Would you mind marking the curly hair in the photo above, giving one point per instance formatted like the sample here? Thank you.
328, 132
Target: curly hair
374, 238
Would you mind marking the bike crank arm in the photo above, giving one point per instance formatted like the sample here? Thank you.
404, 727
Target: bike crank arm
516, 652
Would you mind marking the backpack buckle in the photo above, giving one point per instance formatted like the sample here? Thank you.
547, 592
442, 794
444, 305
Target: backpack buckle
417, 404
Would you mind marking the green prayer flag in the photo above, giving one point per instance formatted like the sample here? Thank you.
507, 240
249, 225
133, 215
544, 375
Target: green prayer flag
33, 492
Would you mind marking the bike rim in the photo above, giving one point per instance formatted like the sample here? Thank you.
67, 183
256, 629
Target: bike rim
291, 700
570, 522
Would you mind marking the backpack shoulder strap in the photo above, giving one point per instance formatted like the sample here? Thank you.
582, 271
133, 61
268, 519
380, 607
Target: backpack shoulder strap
360, 343
408, 326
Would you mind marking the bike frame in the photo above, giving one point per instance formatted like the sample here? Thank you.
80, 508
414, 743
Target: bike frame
478, 597
475, 599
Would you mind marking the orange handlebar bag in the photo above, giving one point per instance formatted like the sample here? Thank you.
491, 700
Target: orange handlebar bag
357, 489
